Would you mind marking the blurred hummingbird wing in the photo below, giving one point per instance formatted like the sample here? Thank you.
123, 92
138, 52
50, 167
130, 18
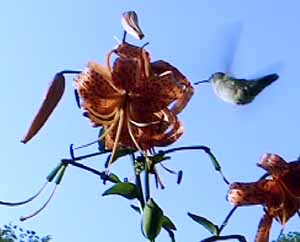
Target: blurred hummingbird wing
223, 42
233, 36
274, 68
228, 41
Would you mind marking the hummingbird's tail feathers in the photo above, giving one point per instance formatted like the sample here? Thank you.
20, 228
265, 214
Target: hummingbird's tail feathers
275, 67
269, 79
261, 83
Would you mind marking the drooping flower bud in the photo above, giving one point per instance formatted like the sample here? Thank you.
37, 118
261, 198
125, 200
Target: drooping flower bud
152, 220
131, 25
52, 98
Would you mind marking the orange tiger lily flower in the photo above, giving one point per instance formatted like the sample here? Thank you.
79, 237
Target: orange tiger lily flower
132, 99
279, 195
136, 101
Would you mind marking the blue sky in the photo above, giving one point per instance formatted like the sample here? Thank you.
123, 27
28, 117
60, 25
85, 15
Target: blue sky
40, 38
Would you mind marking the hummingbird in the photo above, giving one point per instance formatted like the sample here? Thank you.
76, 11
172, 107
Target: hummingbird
238, 91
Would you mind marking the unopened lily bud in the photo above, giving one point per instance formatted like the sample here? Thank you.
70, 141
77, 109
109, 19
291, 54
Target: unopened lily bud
152, 220
52, 98
131, 25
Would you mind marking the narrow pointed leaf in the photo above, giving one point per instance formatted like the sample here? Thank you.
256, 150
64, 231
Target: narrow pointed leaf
52, 98
113, 178
171, 234
167, 223
159, 158
124, 189
118, 154
211, 227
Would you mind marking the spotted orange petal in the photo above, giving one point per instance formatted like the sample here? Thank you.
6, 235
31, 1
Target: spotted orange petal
96, 81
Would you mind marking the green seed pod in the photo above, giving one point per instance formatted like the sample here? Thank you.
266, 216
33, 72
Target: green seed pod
152, 220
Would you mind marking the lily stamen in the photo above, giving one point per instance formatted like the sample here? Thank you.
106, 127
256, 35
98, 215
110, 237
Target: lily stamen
25, 201
23, 218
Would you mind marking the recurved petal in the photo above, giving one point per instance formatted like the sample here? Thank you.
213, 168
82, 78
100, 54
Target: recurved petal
96, 81
273, 163
52, 98
265, 192
187, 90
161, 66
157, 93
101, 111
166, 132
131, 24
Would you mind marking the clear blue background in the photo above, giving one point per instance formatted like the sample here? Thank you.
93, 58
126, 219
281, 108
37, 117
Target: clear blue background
40, 38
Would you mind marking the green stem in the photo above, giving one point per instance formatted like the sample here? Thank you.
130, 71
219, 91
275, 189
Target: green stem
89, 155
138, 182
239, 237
102, 174
206, 150
227, 219
196, 147
147, 185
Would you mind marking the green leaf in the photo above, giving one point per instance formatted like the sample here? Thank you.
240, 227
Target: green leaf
167, 223
152, 220
113, 178
159, 158
118, 154
124, 189
211, 227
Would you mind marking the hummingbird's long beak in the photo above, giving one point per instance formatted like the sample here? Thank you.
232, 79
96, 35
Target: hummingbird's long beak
204, 81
